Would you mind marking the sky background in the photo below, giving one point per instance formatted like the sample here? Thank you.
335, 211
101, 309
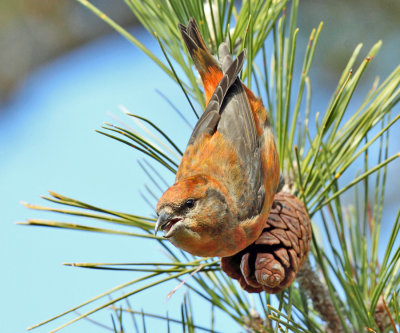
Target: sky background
48, 139
47, 142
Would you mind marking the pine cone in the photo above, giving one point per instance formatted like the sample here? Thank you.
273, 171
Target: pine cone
270, 264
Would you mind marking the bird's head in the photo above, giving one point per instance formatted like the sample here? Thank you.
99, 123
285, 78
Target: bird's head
194, 215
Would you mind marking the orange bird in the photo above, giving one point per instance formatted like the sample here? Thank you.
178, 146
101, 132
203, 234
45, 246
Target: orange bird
229, 173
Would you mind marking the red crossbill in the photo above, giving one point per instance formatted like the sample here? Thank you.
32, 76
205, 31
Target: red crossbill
229, 173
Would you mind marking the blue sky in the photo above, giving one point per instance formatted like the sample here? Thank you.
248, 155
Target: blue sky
47, 142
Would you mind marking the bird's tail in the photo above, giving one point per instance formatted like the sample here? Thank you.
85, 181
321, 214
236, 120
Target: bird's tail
208, 68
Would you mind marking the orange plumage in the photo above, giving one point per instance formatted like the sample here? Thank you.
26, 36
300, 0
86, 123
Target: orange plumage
229, 173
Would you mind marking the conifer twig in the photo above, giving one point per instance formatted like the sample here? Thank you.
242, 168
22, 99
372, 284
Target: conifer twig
319, 294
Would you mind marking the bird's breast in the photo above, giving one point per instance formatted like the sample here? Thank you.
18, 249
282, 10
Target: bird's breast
214, 156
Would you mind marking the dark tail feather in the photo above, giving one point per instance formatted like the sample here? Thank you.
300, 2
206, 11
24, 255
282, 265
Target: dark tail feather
205, 63
197, 48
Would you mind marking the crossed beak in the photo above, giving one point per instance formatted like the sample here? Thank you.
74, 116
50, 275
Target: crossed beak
163, 219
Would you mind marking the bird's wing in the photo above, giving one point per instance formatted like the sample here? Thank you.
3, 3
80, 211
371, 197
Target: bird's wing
237, 126
210, 118
224, 56
245, 138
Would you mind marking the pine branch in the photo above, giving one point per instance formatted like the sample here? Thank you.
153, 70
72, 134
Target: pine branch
359, 290
320, 296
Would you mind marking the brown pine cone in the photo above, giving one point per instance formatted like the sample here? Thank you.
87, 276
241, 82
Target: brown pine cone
270, 264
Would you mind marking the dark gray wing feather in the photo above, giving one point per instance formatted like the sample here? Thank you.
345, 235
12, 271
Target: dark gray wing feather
225, 57
209, 120
242, 132
237, 125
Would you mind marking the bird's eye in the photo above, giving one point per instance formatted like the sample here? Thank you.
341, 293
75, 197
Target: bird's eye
189, 203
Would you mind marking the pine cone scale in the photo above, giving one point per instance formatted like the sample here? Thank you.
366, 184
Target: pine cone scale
281, 235
275, 221
283, 256
294, 241
292, 223
267, 238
